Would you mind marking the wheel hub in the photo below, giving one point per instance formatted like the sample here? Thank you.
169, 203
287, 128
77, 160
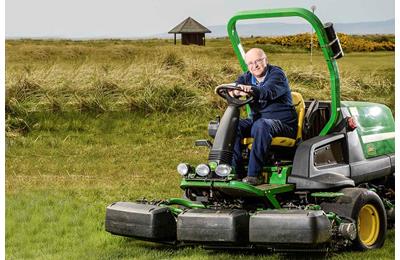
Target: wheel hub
368, 224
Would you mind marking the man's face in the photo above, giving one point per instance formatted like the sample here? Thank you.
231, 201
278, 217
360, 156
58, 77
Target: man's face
256, 62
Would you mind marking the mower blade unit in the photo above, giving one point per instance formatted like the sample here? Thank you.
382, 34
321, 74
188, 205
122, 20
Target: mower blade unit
227, 226
300, 227
144, 221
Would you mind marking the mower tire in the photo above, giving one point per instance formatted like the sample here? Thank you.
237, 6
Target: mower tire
367, 210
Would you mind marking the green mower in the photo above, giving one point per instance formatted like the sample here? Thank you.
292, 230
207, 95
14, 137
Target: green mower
331, 187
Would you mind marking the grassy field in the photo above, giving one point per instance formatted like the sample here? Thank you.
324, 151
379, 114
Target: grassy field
89, 123
130, 76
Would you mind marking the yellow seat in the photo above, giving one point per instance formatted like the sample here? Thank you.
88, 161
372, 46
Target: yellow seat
300, 107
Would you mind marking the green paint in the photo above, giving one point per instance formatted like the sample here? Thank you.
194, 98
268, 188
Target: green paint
326, 194
313, 207
266, 191
279, 174
276, 189
373, 121
184, 202
387, 203
171, 203
333, 217
213, 165
174, 210
322, 38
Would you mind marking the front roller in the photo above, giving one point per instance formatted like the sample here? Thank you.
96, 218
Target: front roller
143, 221
214, 226
280, 228
296, 228
271, 228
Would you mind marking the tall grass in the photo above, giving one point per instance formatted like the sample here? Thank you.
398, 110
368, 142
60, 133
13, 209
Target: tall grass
155, 76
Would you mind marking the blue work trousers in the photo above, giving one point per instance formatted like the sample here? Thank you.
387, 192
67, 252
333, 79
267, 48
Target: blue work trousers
262, 130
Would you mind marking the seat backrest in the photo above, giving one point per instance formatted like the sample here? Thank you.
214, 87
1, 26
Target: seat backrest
300, 107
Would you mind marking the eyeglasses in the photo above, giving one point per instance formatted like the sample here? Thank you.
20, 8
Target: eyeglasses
256, 62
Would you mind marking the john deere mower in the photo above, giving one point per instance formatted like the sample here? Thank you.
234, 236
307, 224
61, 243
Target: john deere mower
330, 187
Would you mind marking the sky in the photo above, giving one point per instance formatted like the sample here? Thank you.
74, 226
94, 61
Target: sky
139, 18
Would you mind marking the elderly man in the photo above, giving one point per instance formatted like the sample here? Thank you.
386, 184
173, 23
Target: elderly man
272, 113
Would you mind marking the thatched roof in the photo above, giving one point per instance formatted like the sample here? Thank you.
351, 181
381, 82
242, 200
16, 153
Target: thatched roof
189, 25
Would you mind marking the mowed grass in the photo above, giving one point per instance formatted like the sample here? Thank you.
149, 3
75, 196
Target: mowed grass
59, 183
90, 123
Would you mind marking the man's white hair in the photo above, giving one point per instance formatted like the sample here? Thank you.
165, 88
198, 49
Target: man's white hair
259, 51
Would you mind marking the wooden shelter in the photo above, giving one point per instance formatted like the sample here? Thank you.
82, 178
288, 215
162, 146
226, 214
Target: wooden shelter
192, 32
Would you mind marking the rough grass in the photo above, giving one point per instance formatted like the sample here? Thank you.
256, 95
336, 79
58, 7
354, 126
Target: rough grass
104, 76
92, 122
135, 76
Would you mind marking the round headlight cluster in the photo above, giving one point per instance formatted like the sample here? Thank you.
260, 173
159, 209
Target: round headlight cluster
223, 170
202, 170
183, 168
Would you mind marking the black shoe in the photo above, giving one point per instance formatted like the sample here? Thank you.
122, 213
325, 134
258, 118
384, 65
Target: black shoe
252, 180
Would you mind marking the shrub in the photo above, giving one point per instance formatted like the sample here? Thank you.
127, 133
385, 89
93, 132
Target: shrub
349, 42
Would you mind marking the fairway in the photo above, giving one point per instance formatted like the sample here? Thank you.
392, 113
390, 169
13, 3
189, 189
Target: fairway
90, 123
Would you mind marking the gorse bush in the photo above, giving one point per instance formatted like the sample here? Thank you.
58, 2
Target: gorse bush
349, 43
354, 43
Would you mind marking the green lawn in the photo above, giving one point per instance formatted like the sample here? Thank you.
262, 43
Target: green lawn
60, 181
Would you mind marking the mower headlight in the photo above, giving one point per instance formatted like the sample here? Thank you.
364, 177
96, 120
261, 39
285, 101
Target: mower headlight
183, 168
202, 170
223, 170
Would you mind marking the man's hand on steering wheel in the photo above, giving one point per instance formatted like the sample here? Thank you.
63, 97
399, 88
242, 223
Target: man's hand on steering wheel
229, 91
242, 92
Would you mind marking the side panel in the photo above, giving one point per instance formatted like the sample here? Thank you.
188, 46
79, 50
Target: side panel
371, 168
375, 127
306, 162
321, 163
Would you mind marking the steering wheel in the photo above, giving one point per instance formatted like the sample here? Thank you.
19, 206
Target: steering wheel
223, 91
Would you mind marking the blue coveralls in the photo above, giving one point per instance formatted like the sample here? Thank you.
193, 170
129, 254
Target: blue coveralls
273, 114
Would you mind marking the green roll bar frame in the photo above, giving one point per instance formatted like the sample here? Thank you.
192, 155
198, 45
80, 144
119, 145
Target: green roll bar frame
323, 41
